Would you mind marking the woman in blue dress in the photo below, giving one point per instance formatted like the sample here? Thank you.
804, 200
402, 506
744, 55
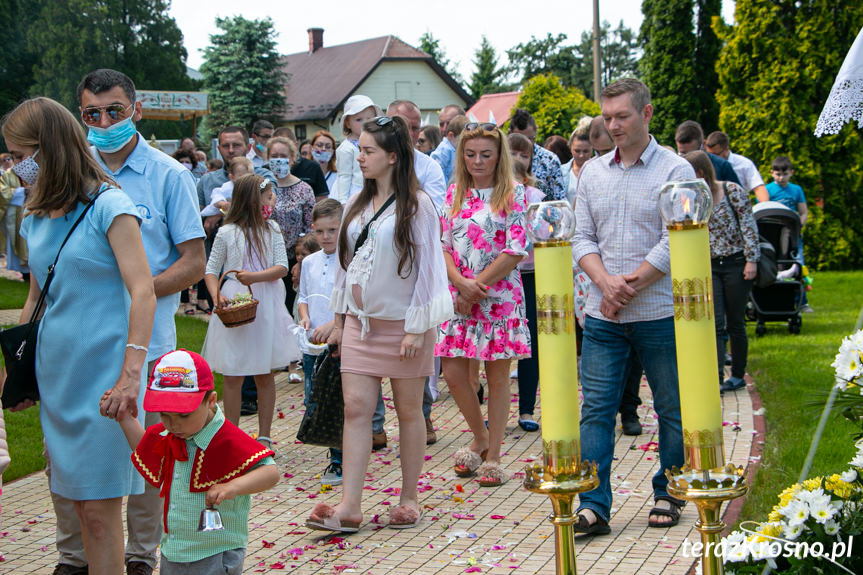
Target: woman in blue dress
96, 324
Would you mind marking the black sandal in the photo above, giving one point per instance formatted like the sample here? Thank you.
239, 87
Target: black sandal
586, 529
673, 513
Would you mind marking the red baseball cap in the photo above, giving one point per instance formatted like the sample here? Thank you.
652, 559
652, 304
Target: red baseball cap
178, 383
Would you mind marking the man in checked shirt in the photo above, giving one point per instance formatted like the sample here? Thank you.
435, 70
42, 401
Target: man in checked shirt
622, 244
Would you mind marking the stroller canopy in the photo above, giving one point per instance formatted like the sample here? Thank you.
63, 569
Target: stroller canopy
779, 225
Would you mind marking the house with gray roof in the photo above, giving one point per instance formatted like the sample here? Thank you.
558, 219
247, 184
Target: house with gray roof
384, 69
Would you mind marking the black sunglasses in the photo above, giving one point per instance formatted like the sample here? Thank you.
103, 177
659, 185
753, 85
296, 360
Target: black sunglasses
486, 126
382, 120
93, 114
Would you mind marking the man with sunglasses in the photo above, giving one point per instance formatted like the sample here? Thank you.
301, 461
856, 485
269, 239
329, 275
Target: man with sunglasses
164, 193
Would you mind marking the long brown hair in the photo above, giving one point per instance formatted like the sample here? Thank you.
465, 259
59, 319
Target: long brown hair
701, 163
392, 137
68, 172
504, 187
246, 213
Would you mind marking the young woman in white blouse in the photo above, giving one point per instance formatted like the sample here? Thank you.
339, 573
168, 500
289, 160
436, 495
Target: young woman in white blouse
389, 297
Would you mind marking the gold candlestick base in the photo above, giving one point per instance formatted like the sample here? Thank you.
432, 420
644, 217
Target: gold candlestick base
708, 489
561, 481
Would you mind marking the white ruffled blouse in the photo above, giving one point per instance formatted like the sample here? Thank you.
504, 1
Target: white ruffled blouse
371, 287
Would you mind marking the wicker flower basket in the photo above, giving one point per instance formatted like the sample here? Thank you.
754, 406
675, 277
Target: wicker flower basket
237, 315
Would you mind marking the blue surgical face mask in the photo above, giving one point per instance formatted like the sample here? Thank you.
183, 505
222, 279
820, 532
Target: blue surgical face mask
260, 147
322, 156
112, 138
281, 167
27, 169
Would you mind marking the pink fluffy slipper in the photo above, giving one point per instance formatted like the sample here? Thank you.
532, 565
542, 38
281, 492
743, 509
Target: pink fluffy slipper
323, 518
404, 517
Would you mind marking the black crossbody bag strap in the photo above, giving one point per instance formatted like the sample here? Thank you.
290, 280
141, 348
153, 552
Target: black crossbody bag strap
50, 276
361, 239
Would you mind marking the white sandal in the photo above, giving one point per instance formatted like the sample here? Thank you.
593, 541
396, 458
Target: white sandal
269, 442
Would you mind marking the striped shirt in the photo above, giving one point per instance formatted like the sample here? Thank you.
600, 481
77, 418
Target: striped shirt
617, 216
184, 543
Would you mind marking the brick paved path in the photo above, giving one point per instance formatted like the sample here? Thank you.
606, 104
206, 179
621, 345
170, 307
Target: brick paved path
495, 530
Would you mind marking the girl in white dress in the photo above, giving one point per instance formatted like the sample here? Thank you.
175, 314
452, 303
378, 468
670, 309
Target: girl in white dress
248, 241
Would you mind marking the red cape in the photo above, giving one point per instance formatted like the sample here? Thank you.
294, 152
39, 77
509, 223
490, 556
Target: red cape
231, 453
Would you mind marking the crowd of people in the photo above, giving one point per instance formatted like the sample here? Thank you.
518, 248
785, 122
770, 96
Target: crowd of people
402, 249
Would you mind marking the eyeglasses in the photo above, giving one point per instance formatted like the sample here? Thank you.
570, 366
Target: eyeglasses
486, 126
93, 114
264, 136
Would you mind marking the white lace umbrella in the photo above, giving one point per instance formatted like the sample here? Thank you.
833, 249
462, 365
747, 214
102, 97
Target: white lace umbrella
845, 102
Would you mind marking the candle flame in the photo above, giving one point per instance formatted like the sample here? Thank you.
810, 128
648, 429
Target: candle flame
550, 229
686, 205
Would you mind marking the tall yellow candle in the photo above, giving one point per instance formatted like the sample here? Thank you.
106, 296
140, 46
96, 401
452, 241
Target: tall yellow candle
695, 336
558, 368
550, 226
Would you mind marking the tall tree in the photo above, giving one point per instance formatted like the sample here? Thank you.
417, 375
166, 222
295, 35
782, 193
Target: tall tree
431, 46
555, 107
488, 76
543, 56
16, 66
618, 48
666, 67
243, 73
73, 37
775, 73
707, 48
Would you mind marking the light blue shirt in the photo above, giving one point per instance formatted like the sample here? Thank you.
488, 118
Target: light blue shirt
164, 195
431, 178
444, 155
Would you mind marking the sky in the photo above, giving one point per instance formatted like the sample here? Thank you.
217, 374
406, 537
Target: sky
459, 25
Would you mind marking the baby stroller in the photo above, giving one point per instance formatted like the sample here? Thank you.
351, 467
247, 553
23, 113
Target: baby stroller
779, 300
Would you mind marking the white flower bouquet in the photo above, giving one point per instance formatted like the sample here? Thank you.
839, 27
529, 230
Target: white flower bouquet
814, 526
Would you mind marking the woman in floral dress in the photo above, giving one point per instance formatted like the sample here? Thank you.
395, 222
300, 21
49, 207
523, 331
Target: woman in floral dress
483, 239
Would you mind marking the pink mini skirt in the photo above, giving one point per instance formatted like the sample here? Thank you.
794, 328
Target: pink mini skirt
378, 354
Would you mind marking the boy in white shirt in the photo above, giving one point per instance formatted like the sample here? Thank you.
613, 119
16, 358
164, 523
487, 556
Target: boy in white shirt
317, 277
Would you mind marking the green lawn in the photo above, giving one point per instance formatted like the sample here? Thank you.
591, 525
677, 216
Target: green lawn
24, 433
12, 294
791, 372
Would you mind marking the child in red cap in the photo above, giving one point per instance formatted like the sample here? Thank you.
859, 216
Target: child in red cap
198, 460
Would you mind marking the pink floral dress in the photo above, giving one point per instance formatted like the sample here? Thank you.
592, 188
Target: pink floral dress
497, 325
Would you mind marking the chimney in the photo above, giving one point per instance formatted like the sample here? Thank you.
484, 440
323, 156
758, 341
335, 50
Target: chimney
316, 39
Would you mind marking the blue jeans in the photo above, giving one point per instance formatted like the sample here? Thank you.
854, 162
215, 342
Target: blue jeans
228, 562
606, 349
308, 372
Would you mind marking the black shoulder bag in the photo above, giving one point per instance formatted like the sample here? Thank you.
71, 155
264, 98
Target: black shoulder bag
18, 344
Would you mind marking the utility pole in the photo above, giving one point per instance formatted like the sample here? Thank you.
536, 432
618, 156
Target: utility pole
597, 61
